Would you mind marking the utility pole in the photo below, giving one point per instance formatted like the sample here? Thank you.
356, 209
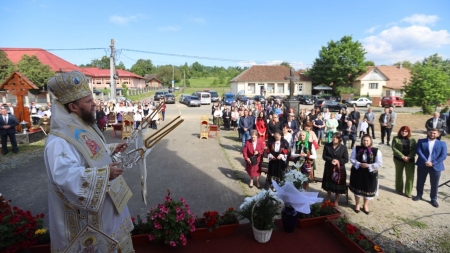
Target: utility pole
173, 76
112, 71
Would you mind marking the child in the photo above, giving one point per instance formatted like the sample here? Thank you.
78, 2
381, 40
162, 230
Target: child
363, 125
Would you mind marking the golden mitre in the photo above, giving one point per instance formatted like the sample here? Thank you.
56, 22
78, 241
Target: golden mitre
68, 87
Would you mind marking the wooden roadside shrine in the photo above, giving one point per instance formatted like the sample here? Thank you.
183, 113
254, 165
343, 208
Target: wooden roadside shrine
17, 84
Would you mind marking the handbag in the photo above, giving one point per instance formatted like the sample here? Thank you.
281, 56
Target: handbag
254, 160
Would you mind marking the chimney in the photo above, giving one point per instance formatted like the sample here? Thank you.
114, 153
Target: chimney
400, 66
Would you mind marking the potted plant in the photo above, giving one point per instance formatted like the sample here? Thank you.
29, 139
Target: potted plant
261, 210
139, 234
320, 212
212, 224
18, 227
170, 221
352, 236
289, 214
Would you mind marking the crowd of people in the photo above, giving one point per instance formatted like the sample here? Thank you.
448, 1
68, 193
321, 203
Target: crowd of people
109, 112
273, 132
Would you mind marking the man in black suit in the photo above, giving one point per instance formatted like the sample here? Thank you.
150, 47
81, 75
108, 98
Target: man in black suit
226, 117
355, 115
437, 122
7, 128
370, 117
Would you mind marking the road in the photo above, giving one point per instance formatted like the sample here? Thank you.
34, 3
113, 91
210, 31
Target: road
191, 168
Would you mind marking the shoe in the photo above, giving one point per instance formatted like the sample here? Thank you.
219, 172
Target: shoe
434, 203
356, 211
366, 212
381, 143
388, 144
409, 196
250, 186
417, 198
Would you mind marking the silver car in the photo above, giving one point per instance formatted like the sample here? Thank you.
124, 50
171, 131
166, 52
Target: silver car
192, 101
182, 97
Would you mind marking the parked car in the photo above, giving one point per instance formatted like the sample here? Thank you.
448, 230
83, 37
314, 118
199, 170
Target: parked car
192, 101
182, 96
119, 92
170, 99
333, 106
159, 95
392, 101
214, 96
228, 98
259, 98
242, 98
96, 92
360, 102
276, 99
177, 87
305, 100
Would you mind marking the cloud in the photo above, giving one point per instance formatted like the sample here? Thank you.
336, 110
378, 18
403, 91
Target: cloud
404, 43
421, 19
197, 20
121, 20
171, 28
372, 29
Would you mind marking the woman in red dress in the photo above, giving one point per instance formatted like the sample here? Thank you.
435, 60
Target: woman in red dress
261, 126
253, 148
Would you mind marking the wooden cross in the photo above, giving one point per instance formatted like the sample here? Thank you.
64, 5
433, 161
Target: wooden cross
17, 84
291, 79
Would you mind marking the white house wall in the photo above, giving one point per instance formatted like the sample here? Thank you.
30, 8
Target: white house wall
253, 88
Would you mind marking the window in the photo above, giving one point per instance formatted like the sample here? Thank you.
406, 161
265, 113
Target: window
300, 87
373, 86
280, 88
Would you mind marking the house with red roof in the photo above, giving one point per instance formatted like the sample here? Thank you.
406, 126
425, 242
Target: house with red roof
97, 78
101, 78
380, 81
271, 79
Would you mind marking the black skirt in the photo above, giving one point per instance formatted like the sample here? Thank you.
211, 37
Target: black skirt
363, 182
330, 185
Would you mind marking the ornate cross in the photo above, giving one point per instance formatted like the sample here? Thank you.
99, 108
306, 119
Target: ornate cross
291, 79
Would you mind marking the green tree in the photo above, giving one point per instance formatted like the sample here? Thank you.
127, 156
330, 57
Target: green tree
369, 63
436, 61
214, 83
405, 64
286, 64
6, 67
428, 87
339, 63
121, 66
164, 73
33, 69
103, 63
142, 67
124, 89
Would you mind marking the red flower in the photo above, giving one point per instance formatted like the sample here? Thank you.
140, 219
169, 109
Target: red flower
360, 237
350, 229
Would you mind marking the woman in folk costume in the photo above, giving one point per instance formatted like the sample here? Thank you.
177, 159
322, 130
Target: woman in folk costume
278, 153
253, 154
234, 118
334, 178
366, 161
304, 152
86, 190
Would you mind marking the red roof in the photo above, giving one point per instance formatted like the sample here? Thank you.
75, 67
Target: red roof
98, 72
267, 73
56, 64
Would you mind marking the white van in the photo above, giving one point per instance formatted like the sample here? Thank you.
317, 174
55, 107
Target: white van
205, 97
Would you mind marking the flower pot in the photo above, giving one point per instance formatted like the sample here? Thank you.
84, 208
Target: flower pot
140, 240
262, 236
349, 243
316, 221
289, 218
44, 248
224, 230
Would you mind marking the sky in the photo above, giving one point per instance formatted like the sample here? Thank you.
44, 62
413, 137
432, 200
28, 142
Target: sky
226, 33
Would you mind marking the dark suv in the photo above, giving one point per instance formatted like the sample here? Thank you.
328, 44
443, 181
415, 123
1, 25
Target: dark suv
159, 95
214, 96
170, 99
